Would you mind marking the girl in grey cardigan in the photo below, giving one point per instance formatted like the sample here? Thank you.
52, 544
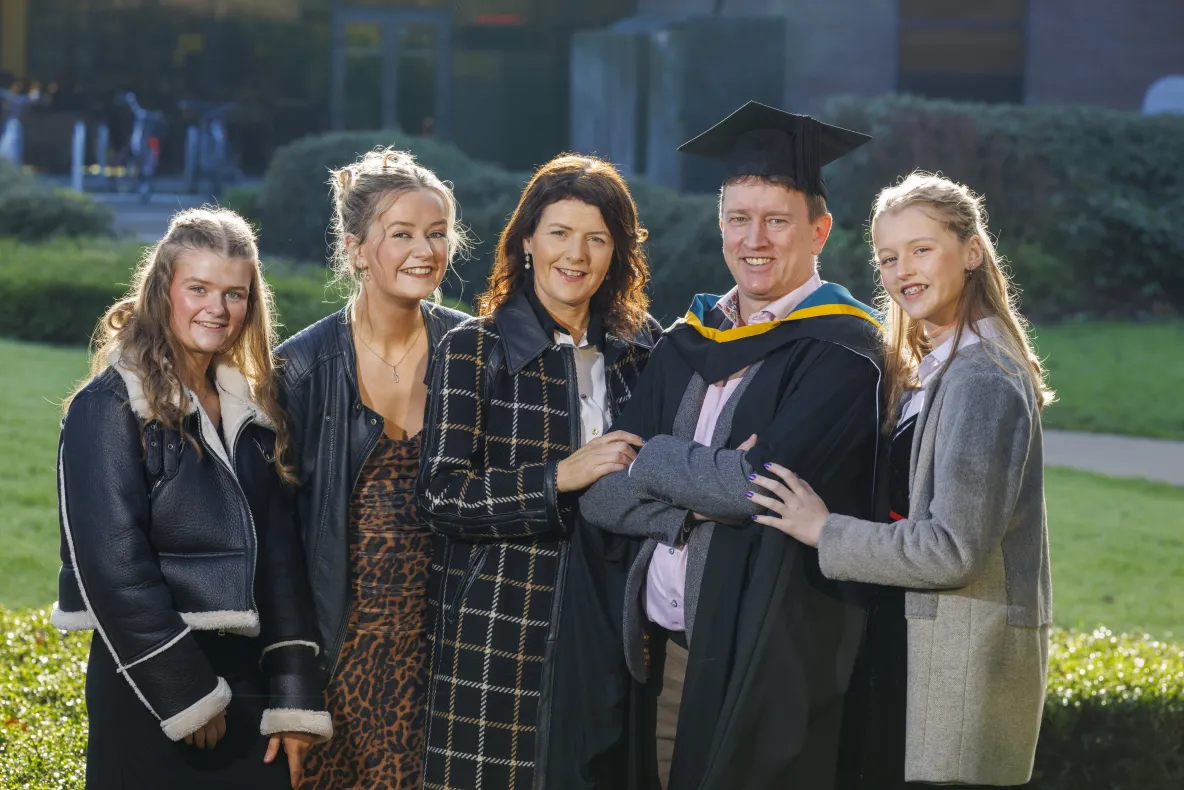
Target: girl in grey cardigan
968, 543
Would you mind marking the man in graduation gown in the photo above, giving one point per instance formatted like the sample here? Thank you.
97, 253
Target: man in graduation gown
668, 563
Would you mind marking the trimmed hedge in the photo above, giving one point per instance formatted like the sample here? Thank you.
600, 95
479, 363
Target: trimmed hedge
684, 245
1114, 716
56, 291
31, 211
1099, 191
245, 201
42, 703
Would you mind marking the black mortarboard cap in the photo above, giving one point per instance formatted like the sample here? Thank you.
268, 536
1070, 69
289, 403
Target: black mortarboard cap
759, 140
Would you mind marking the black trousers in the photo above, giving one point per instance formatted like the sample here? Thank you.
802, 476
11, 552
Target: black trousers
127, 750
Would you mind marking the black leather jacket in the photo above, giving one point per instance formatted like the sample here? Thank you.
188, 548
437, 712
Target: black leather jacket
159, 539
333, 434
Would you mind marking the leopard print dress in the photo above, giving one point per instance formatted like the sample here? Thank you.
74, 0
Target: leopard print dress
378, 696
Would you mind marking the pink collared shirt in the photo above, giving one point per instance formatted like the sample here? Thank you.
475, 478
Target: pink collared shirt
666, 577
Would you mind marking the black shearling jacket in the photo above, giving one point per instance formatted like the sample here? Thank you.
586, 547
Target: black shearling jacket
159, 538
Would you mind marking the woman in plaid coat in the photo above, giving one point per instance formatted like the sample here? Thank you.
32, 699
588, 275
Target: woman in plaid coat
520, 402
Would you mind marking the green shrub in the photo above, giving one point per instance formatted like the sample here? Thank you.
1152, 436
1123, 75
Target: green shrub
1098, 192
12, 176
31, 211
1113, 717
42, 703
56, 291
244, 200
1114, 714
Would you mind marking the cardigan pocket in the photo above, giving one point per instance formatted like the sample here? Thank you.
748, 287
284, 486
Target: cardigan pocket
920, 605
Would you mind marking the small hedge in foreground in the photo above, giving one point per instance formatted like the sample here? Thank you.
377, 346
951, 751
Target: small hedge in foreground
42, 703
1114, 717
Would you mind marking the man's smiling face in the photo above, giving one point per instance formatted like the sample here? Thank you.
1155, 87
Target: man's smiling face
769, 241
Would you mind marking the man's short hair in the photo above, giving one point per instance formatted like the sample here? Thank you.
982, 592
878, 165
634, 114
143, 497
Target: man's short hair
815, 204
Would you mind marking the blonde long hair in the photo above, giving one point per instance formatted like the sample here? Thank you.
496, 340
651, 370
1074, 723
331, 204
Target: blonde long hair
989, 292
138, 325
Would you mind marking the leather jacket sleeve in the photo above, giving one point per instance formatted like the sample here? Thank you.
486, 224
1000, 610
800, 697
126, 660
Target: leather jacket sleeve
290, 651
459, 496
105, 519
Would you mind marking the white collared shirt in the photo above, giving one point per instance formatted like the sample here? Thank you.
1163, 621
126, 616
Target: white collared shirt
594, 412
935, 360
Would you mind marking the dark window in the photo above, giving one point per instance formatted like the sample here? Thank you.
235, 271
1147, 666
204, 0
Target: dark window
966, 51
509, 90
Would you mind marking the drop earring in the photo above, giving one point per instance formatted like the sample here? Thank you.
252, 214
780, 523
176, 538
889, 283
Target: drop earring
529, 258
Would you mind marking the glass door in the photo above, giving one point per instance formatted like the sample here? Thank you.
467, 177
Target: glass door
392, 68
362, 92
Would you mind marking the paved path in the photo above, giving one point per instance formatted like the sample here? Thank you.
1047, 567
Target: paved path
146, 221
1116, 456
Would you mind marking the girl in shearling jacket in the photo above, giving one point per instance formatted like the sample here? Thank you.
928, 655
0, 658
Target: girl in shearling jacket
960, 654
179, 545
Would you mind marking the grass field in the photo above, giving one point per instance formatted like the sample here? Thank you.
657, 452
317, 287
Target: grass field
1117, 551
36, 378
1117, 545
1116, 378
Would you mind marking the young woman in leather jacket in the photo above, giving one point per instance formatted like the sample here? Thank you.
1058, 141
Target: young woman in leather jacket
178, 539
353, 385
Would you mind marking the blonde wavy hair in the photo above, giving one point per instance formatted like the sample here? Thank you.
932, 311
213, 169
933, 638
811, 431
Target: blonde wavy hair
138, 328
989, 293
363, 190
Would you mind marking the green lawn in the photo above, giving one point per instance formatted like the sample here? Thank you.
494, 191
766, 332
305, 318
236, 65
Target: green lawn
1117, 545
1117, 550
1116, 377
36, 379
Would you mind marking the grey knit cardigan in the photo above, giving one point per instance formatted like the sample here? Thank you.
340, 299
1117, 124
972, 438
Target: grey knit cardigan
974, 556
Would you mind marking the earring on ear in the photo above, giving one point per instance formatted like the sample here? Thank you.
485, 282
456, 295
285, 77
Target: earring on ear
970, 274
529, 258
365, 272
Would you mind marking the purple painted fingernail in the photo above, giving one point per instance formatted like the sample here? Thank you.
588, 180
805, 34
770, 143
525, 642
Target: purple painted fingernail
754, 518
768, 465
752, 477
748, 494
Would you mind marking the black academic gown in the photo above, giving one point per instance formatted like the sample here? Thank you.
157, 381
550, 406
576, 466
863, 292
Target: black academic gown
775, 642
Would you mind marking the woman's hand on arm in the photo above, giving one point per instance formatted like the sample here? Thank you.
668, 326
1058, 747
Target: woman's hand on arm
604, 455
745, 446
794, 507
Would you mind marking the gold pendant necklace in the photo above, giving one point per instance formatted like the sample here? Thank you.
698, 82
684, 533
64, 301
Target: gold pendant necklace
395, 367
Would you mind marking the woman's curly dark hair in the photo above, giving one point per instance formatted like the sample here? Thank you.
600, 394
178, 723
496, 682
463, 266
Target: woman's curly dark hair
621, 299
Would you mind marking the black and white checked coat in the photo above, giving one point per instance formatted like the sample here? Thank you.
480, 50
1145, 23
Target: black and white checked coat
503, 410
